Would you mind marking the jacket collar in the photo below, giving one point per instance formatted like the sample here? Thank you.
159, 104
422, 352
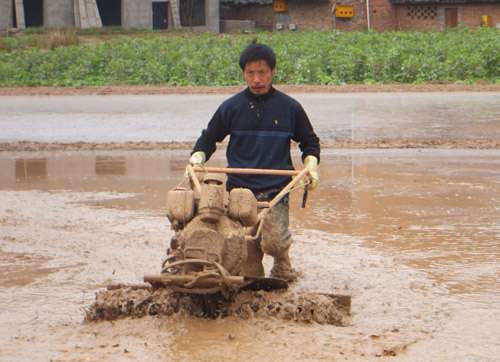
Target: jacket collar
262, 97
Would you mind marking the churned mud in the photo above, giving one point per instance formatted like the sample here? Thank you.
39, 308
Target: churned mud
141, 301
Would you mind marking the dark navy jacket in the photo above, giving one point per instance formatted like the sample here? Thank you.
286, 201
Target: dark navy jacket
260, 129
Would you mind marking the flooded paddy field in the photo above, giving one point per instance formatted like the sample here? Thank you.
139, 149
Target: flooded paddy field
356, 117
412, 235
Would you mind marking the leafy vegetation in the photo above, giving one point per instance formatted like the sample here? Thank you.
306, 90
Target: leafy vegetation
460, 55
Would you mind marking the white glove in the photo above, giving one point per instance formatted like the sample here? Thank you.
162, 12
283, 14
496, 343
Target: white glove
311, 163
198, 158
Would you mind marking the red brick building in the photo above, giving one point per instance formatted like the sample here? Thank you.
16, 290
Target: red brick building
351, 15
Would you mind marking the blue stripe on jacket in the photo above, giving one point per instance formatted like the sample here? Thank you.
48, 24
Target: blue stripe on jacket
259, 149
279, 134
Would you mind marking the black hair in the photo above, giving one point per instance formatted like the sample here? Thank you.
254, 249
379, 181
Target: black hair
255, 52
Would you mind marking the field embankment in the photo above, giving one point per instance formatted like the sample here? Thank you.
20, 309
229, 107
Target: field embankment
320, 58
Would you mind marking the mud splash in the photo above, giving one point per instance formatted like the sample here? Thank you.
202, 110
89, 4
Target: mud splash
139, 301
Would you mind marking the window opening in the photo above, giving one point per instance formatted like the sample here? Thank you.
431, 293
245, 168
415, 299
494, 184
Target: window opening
421, 12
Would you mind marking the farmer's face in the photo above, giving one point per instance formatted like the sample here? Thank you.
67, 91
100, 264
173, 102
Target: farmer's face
258, 76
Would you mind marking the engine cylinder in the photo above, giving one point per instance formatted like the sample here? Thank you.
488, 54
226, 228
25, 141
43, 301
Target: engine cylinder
243, 206
180, 205
211, 205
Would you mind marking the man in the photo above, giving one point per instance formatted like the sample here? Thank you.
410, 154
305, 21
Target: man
261, 121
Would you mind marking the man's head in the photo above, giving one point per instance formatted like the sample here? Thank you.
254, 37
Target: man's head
258, 63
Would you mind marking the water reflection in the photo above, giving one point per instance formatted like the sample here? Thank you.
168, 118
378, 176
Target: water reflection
84, 168
177, 165
26, 169
110, 165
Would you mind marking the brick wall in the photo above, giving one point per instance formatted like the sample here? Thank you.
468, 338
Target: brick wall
318, 15
471, 14
468, 15
262, 14
357, 22
382, 15
411, 17
307, 15
311, 14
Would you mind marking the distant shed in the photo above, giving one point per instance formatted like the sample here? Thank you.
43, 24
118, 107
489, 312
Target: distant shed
199, 15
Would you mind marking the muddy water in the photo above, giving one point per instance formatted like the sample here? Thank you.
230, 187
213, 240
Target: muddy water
412, 235
163, 118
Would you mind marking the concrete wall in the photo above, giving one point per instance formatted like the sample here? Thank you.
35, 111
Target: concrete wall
137, 14
212, 18
58, 14
5, 14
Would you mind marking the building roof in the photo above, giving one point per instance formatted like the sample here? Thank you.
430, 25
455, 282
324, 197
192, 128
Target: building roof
247, 2
442, 2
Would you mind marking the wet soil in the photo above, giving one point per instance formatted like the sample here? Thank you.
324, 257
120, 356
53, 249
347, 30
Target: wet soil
341, 120
141, 300
411, 234
337, 144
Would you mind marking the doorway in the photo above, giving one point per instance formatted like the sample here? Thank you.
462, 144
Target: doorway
160, 15
192, 12
14, 16
450, 18
33, 13
110, 12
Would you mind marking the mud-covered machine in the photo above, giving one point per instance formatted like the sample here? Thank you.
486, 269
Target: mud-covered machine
217, 234
213, 266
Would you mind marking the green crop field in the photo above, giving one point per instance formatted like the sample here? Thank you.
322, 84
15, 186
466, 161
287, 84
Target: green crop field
460, 55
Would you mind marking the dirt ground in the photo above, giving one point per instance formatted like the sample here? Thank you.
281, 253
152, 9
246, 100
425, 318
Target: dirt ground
351, 88
29, 146
411, 234
451, 120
